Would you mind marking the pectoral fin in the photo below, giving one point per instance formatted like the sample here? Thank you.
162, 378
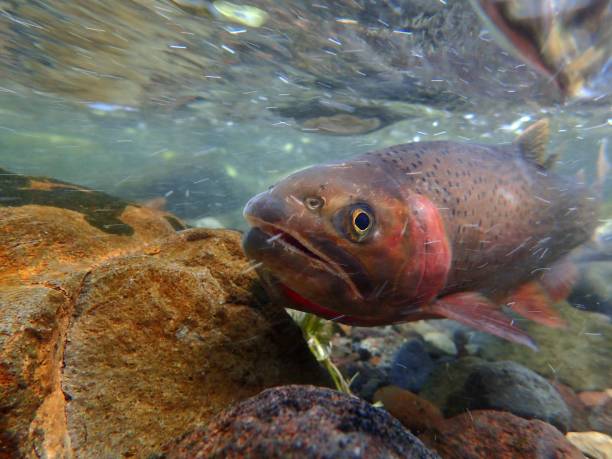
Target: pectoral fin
532, 302
474, 310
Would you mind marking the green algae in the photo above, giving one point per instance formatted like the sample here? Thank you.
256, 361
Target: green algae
318, 334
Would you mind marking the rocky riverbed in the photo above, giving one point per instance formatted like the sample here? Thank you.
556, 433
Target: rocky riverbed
124, 333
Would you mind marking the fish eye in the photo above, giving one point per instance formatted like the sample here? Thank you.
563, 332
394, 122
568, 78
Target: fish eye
361, 223
313, 202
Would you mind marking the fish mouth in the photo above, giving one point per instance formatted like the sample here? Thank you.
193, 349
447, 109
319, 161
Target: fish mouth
295, 244
271, 236
292, 243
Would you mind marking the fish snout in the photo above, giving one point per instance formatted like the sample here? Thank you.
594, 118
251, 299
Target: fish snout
264, 207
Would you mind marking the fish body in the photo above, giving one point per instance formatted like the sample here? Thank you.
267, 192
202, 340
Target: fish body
425, 230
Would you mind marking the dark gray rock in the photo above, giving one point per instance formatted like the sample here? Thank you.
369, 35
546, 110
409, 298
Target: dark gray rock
473, 384
366, 378
508, 386
301, 421
411, 366
593, 291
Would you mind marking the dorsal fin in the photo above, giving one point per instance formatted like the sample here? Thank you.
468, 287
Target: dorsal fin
533, 142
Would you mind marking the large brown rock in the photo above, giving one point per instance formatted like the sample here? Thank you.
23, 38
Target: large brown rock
114, 342
301, 422
178, 337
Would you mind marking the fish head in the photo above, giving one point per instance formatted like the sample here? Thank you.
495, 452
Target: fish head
337, 240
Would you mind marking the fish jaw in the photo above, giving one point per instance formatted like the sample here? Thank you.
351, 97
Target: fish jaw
305, 305
302, 258
317, 286
290, 259
270, 234
305, 255
281, 243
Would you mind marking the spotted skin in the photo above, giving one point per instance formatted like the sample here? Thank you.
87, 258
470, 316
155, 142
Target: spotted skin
507, 218
456, 229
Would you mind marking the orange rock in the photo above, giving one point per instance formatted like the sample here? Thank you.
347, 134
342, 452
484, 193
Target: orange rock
112, 343
42, 242
415, 413
499, 435
593, 399
158, 343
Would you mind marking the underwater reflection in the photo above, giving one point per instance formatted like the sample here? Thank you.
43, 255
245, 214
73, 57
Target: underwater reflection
569, 41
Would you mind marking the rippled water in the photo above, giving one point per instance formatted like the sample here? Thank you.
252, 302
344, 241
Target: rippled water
156, 99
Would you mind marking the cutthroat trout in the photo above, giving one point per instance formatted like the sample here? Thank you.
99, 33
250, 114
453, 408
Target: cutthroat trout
425, 230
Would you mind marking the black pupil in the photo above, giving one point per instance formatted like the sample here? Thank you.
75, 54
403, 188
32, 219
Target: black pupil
362, 221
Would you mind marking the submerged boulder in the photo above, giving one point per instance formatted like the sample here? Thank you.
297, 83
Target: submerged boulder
113, 343
301, 421
473, 384
484, 434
